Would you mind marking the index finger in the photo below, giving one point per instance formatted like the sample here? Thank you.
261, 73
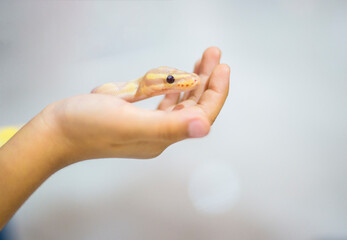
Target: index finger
212, 100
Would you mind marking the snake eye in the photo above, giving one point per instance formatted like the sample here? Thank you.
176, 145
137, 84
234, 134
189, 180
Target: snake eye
170, 79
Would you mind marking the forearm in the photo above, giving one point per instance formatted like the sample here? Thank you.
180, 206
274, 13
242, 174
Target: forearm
26, 161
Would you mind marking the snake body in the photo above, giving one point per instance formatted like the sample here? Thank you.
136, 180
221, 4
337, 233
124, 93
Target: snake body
158, 81
6, 133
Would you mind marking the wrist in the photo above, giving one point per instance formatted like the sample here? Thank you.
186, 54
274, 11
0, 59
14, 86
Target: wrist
31, 156
58, 149
37, 142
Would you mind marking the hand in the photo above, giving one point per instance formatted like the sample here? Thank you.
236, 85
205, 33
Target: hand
98, 126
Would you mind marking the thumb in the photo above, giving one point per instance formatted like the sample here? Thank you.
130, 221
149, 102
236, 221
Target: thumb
172, 126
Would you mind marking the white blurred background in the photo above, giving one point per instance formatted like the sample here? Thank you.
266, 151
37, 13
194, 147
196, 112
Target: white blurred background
275, 163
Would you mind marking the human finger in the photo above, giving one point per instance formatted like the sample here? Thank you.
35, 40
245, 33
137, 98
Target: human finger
210, 59
212, 100
196, 70
165, 126
169, 101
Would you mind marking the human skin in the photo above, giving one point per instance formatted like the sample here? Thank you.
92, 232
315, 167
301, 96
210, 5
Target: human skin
95, 126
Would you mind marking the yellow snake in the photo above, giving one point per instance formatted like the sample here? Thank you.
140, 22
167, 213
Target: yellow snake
158, 81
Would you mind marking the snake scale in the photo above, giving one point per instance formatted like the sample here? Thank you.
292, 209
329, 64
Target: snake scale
157, 81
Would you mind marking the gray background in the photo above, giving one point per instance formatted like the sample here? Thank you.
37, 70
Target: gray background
274, 165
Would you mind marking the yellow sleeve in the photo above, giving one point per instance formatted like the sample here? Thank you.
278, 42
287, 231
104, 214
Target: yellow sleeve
6, 133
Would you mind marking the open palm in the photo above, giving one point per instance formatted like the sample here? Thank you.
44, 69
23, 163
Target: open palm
98, 125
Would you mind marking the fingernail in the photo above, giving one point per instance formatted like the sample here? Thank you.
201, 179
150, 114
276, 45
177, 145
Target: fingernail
178, 107
196, 129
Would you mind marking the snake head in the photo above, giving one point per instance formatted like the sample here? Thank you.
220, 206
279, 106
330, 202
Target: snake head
165, 80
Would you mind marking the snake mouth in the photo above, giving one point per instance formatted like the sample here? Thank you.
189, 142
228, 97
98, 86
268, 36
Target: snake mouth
188, 85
